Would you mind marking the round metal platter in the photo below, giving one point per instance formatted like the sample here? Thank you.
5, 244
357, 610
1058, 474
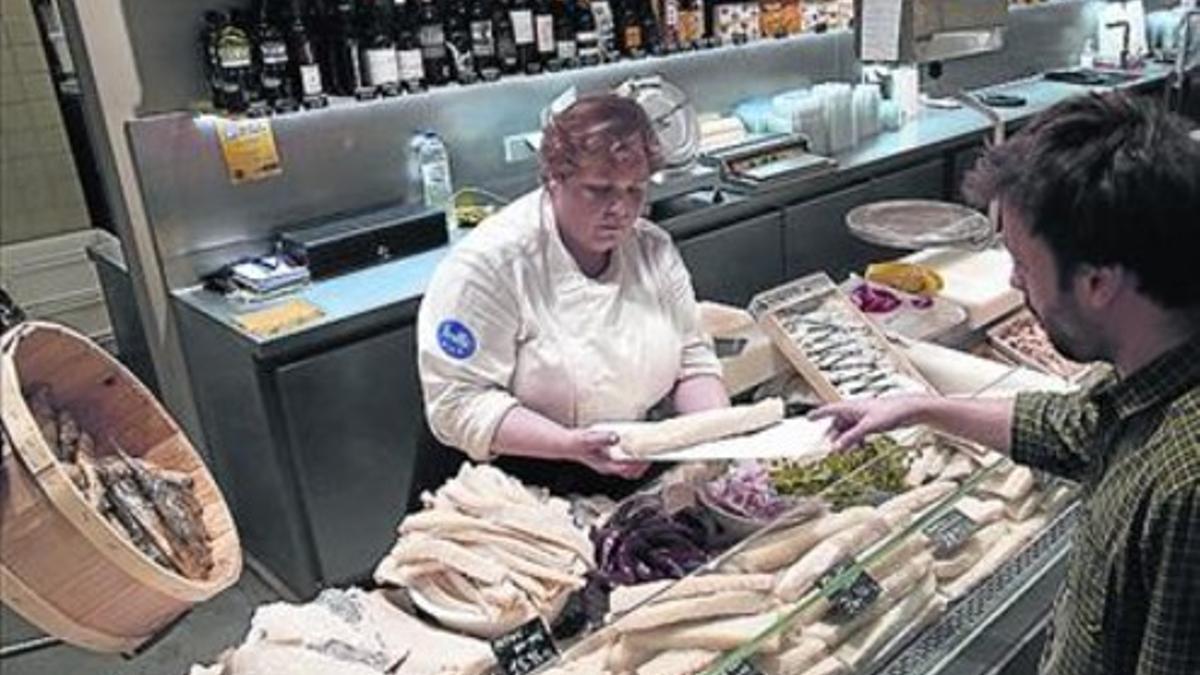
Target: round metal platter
672, 116
919, 223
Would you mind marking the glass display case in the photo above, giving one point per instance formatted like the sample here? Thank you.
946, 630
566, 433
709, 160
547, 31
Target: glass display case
885, 557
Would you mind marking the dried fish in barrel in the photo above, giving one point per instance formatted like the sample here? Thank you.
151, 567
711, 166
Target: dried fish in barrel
40, 401
68, 436
130, 510
181, 513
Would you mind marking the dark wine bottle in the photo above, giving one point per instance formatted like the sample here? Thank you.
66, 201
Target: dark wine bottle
483, 39
524, 35
587, 39
409, 59
506, 42
304, 70
629, 29
458, 42
343, 69
651, 40
271, 59
566, 48
543, 28
235, 66
376, 48
431, 33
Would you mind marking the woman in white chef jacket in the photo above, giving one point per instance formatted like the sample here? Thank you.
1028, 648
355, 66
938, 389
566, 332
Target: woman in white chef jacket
566, 309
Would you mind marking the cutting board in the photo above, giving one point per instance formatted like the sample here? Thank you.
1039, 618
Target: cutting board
977, 280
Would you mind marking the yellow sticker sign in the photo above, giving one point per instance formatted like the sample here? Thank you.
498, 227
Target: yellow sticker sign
249, 149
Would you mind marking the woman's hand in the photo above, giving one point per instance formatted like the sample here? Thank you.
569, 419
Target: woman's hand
855, 420
599, 451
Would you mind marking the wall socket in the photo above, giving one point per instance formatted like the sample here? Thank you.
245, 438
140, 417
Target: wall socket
521, 147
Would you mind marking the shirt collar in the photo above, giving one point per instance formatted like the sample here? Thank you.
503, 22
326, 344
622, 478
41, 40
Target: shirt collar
564, 270
1162, 380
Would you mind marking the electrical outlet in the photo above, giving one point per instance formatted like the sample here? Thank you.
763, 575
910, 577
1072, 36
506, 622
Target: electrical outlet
521, 147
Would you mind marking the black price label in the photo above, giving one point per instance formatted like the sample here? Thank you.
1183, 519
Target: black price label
743, 667
525, 649
950, 532
726, 347
851, 600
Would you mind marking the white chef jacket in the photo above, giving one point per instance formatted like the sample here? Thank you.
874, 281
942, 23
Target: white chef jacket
509, 318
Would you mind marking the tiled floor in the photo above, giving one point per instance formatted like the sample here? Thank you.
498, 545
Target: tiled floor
203, 634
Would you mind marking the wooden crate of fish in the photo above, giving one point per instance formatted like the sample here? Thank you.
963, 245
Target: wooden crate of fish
837, 349
1022, 339
112, 525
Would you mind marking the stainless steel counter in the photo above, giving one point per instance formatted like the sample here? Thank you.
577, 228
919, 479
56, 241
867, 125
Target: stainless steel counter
392, 290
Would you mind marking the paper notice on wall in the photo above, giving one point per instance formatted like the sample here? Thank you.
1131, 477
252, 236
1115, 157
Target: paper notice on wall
249, 149
881, 30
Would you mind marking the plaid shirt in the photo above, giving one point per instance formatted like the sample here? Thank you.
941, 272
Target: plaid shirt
1131, 601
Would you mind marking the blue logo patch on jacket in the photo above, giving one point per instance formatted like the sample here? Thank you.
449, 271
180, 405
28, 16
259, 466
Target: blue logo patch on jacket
455, 339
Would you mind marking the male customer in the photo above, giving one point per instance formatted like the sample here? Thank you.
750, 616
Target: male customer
1099, 201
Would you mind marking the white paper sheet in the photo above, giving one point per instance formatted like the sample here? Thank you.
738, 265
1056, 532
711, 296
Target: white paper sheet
794, 437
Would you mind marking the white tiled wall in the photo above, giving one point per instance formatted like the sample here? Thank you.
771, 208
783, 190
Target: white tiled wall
40, 194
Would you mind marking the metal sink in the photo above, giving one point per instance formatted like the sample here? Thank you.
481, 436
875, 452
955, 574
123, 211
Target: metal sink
1090, 77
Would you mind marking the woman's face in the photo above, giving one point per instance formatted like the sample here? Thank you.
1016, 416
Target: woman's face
597, 205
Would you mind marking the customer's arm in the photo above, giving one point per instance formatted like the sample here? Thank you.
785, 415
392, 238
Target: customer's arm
985, 421
1045, 430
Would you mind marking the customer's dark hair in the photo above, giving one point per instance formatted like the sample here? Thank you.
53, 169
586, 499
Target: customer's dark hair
1105, 179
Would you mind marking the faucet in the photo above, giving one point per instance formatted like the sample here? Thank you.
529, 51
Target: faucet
1124, 25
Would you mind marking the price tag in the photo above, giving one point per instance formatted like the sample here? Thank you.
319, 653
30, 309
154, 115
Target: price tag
743, 667
249, 149
949, 532
525, 649
849, 602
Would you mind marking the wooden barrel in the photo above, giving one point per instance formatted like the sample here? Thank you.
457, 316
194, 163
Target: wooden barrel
63, 566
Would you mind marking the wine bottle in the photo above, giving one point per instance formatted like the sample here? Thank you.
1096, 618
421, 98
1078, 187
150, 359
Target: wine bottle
271, 59
691, 23
507, 56
587, 40
543, 28
629, 29
606, 29
431, 32
409, 60
377, 49
566, 49
651, 40
458, 43
524, 35
233, 52
343, 69
304, 70
483, 39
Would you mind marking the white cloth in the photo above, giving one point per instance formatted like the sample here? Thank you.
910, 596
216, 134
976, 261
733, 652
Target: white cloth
509, 318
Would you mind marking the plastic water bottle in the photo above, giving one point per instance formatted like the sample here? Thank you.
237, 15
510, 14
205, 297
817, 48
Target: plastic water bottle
1087, 56
432, 164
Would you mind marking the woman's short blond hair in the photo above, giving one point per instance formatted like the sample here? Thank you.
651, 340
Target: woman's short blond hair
598, 130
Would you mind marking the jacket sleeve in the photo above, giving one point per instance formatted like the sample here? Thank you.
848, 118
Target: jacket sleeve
1053, 431
698, 356
466, 353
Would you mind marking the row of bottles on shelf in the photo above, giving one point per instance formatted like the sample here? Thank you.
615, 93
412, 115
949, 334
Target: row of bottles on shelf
284, 54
